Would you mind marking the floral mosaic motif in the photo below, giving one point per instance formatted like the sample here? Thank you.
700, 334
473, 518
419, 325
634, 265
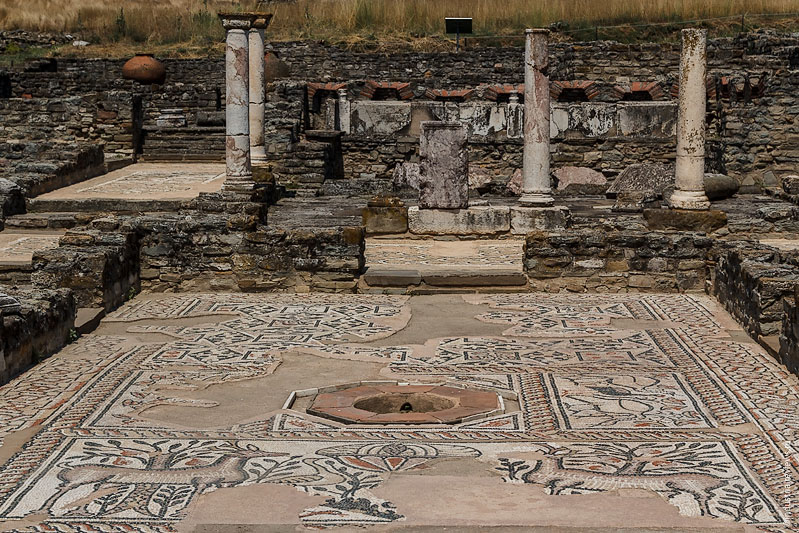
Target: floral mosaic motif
709, 424
700, 478
151, 481
618, 401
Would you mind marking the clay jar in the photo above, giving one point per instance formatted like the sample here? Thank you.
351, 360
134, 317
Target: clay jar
144, 68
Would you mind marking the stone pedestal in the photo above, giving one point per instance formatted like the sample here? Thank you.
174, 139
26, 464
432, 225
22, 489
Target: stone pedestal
238, 169
689, 190
485, 220
257, 83
444, 166
524, 220
536, 186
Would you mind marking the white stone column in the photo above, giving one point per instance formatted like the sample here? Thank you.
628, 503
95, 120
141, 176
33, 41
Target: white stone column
689, 192
237, 103
344, 110
536, 186
257, 86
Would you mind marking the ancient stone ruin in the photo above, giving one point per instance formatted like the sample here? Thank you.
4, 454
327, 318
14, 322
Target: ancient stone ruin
573, 266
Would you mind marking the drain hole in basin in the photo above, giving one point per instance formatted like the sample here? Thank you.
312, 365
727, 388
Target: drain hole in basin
404, 403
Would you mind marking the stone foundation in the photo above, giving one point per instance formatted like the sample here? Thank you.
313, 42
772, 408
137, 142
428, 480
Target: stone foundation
40, 328
583, 260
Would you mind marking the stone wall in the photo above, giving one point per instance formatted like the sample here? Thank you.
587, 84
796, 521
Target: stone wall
600, 261
203, 253
99, 264
751, 280
39, 328
789, 336
752, 85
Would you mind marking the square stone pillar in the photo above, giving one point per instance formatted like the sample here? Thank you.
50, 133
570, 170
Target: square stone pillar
689, 192
238, 169
444, 166
536, 186
257, 90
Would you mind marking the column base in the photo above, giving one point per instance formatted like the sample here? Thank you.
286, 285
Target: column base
690, 200
524, 220
536, 199
238, 185
258, 154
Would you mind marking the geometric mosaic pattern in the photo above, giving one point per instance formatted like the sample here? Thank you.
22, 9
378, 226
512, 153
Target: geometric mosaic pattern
708, 424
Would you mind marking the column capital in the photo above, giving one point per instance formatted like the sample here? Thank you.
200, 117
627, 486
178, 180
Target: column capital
237, 21
262, 20
536, 30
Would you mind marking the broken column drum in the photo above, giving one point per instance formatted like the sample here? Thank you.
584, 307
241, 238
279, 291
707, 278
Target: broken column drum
536, 186
689, 190
443, 165
237, 135
257, 90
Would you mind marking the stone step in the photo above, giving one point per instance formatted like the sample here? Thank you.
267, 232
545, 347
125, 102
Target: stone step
64, 220
379, 276
102, 205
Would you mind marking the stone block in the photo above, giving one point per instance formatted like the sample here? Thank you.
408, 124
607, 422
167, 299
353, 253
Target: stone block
580, 180
485, 220
720, 186
525, 220
684, 220
643, 177
495, 278
381, 220
444, 166
382, 277
790, 184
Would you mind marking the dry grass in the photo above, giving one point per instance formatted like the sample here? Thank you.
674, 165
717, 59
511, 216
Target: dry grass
192, 24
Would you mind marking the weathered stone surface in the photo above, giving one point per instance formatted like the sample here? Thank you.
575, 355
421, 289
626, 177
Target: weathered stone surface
524, 220
457, 278
472, 221
685, 220
790, 184
384, 277
34, 328
580, 180
646, 177
381, 220
514, 186
720, 186
444, 166
406, 174
479, 179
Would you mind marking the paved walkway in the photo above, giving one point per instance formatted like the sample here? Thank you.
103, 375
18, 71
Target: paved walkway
188, 413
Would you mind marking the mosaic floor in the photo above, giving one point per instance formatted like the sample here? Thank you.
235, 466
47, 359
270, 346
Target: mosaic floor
18, 247
621, 411
147, 181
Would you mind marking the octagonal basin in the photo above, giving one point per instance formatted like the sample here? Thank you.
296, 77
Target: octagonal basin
404, 404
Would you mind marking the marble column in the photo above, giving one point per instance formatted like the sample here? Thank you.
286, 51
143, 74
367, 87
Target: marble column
343, 110
689, 192
237, 103
536, 186
257, 86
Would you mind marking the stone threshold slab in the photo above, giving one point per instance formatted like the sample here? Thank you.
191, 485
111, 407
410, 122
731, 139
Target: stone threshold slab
383, 277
